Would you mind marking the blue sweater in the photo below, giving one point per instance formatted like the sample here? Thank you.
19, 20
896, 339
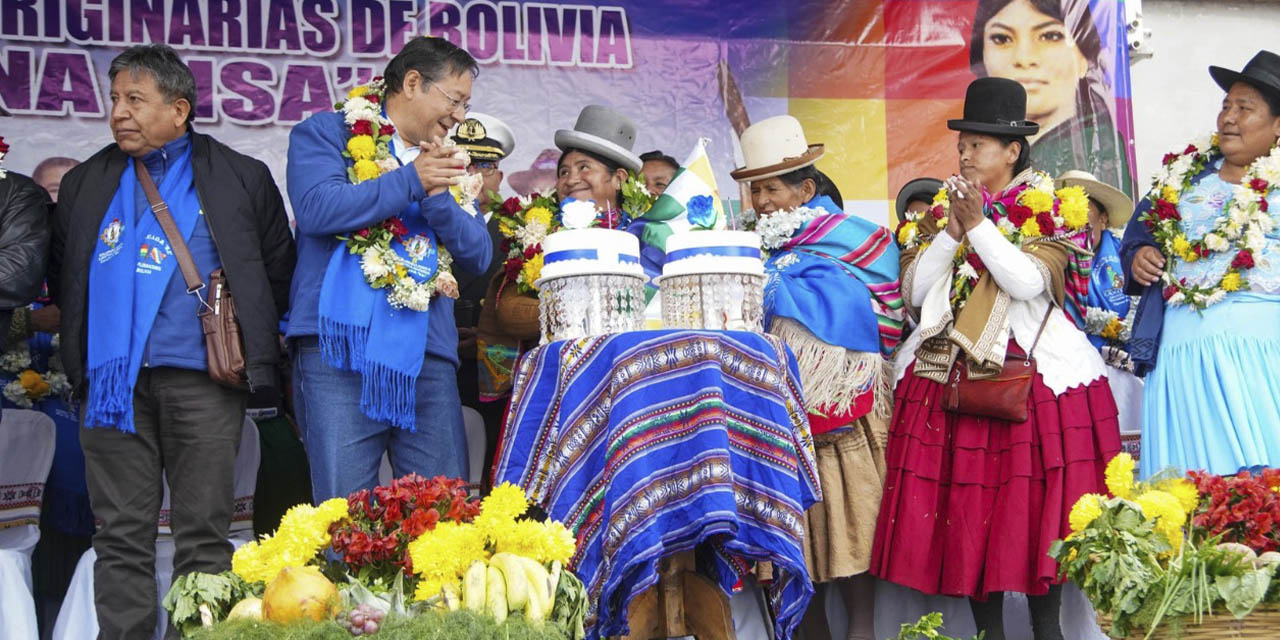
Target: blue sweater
177, 339
327, 205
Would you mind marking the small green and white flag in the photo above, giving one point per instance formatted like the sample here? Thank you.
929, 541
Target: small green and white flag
691, 201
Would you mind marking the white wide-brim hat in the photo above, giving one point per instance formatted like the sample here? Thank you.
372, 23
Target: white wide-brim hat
605, 132
1119, 206
775, 146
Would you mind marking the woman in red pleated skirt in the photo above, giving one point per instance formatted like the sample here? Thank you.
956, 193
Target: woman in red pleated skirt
995, 270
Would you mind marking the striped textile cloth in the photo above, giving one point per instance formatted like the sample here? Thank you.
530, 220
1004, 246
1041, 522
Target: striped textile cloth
651, 442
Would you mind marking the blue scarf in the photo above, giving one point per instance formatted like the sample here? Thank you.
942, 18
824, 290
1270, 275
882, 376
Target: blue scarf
360, 331
131, 262
827, 275
1106, 282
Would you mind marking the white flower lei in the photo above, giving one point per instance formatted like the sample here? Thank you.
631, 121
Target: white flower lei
378, 261
17, 394
1242, 227
16, 359
776, 229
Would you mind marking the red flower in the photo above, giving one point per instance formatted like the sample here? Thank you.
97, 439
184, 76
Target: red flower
1243, 260
363, 233
4, 146
975, 261
372, 98
530, 252
1165, 210
1202, 250
419, 521
1046, 223
512, 268
1259, 185
1169, 158
1169, 291
386, 130
396, 227
1262, 203
511, 206
362, 128
1019, 214
1191, 148
937, 212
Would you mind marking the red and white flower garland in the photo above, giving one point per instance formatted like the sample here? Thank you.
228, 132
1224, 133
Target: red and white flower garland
1241, 229
370, 150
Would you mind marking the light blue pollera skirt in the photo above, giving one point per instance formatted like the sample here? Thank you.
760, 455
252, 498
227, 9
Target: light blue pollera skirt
1213, 400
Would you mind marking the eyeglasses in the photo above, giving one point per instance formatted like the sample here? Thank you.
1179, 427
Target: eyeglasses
454, 103
484, 167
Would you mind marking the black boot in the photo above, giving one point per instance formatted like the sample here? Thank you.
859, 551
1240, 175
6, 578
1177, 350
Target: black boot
1045, 614
989, 615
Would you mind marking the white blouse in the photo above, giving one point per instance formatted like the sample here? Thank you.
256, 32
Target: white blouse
1064, 356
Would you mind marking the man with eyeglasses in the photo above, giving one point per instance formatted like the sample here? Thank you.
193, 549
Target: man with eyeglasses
372, 375
487, 140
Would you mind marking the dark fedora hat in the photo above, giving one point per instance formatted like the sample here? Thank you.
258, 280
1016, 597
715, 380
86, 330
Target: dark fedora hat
918, 189
996, 106
1262, 73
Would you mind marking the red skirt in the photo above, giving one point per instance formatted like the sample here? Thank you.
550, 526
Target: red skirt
971, 504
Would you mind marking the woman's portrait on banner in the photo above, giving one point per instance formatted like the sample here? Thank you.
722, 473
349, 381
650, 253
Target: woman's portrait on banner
1055, 50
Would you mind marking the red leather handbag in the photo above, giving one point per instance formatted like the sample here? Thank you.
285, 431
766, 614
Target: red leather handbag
1003, 397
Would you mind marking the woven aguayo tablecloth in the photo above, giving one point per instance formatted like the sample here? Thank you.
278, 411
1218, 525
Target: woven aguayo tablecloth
651, 442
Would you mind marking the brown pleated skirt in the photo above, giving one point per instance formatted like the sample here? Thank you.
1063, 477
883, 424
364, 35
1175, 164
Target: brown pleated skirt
840, 530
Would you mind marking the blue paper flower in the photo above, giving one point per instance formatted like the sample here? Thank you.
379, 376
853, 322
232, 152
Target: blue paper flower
701, 211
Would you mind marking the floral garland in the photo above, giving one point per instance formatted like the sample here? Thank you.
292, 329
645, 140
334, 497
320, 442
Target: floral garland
777, 228
30, 386
1241, 229
370, 151
1029, 212
526, 221
1108, 325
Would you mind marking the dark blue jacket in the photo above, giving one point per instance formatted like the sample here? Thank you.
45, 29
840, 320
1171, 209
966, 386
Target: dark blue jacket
326, 205
1149, 320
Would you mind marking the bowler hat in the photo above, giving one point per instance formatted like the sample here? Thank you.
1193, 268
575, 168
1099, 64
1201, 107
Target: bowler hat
918, 189
995, 106
1262, 72
605, 132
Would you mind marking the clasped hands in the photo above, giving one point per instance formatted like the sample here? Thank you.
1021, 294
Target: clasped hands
965, 210
439, 166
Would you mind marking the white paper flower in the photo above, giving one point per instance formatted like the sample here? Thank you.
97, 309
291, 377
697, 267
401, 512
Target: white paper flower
577, 214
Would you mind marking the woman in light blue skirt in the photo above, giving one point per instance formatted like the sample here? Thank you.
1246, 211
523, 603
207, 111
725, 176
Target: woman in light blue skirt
1206, 259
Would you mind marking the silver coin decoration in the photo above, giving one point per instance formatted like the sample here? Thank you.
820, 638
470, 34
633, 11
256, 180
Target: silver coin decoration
588, 305
721, 301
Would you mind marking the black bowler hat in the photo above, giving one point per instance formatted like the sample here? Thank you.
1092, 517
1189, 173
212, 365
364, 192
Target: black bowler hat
1262, 73
995, 106
918, 189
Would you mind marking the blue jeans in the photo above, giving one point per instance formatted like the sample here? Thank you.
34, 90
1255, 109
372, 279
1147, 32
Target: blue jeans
345, 447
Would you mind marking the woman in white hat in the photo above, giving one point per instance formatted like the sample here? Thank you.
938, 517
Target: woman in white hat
1204, 253
1110, 311
996, 432
833, 297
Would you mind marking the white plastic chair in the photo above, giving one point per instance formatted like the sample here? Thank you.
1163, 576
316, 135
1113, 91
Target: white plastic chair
77, 619
26, 454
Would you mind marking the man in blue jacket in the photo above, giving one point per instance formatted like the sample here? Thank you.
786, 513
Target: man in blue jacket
371, 373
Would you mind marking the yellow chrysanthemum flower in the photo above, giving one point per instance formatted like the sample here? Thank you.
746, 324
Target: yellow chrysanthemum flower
1037, 200
1184, 490
1169, 193
361, 147
532, 270
506, 229
1085, 510
444, 553
1190, 256
541, 214
505, 501
1073, 206
1119, 475
1181, 245
1030, 228
358, 92
366, 170
1113, 329
1167, 510
941, 197
1231, 281
906, 233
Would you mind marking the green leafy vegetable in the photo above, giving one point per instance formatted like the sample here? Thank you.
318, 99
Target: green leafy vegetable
217, 593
